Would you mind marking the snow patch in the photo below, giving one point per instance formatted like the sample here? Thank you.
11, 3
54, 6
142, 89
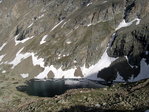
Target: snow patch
104, 62
1, 48
68, 42
1, 57
24, 75
44, 73
64, 55
89, 4
41, 16
4, 71
21, 41
30, 25
128, 62
89, 73
105, 2
65, 23
124, 24
59, 73
59, 57
1, 1
74, 61
89, 24
43, 39
56, 25
138, 21
19, 57
37, 61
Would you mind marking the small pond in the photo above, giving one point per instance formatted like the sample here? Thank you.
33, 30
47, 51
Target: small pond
52, 87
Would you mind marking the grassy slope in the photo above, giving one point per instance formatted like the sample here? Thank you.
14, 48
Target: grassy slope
119, 97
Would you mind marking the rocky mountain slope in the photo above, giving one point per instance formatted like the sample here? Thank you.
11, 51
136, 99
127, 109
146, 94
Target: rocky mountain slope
101, 40
94, 39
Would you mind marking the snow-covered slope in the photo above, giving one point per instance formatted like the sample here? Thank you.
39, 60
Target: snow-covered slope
74, 39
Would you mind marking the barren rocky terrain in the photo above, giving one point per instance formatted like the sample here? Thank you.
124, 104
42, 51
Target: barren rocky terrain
74, 55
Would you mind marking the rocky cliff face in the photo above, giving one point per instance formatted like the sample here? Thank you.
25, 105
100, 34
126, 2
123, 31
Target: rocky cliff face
95, 39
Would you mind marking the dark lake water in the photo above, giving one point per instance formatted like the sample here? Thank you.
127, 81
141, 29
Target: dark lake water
52, 87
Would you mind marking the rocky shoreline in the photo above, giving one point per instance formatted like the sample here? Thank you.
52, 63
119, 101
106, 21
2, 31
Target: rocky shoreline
119, 97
